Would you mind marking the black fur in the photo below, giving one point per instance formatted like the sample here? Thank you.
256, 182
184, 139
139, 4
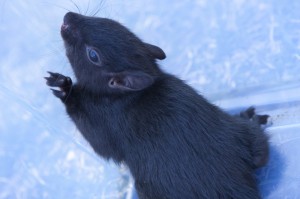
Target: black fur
176, 144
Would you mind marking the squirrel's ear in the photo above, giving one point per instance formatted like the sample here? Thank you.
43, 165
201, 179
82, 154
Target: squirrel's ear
155, 51
130, 81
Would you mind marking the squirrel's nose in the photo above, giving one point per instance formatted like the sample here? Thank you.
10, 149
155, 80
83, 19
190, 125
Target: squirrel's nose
71, 17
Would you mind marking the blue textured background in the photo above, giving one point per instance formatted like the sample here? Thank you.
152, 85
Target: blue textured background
235, 52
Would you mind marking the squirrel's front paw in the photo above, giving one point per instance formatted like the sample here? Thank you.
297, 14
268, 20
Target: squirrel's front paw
62, 82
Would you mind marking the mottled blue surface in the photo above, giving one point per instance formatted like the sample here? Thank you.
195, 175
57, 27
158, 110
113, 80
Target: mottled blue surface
235, 52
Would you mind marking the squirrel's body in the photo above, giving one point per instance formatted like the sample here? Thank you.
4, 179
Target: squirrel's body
175, 143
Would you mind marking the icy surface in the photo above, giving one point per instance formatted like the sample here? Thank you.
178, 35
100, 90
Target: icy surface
235, 52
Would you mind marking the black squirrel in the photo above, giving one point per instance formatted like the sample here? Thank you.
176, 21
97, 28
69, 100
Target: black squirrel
176, 144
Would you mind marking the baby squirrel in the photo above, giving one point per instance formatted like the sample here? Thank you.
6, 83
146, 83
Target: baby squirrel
176, 144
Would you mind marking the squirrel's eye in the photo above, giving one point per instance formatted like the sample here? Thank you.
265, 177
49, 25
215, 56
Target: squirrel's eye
93, 56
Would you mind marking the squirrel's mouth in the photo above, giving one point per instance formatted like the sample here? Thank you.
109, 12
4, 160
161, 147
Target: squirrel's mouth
69, 32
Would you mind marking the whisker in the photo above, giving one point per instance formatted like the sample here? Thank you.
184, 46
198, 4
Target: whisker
100, 6
76, 6
86, 11
56, 5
